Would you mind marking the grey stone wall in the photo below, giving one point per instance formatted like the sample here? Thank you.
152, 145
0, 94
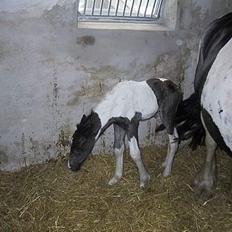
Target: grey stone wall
51, 72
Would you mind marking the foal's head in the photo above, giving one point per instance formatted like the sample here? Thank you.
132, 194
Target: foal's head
83, 140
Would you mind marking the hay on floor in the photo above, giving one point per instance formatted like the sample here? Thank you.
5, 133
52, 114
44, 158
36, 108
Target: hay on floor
49, 197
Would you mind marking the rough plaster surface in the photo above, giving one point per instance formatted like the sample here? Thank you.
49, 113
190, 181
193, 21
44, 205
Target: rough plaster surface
32, 7
51, 72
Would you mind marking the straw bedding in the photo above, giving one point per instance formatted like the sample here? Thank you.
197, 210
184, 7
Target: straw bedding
49, 197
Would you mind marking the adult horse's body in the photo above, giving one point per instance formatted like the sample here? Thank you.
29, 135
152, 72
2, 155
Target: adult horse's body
125, 106
208, 112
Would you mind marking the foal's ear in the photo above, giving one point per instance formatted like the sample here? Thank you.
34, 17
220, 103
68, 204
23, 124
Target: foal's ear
83, 118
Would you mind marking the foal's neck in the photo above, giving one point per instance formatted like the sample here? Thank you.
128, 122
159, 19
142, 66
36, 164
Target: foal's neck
93, 124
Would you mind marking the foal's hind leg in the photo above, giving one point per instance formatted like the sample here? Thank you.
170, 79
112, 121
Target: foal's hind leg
206, 180
167, 112
119, 135
135, 151
172, 148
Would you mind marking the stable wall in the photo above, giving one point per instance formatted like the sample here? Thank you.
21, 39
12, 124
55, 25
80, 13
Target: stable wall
51, 72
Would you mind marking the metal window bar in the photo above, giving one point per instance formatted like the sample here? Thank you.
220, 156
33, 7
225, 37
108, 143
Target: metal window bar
119, 10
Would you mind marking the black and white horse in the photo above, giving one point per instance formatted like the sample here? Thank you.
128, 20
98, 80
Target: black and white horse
125, 106
208, 112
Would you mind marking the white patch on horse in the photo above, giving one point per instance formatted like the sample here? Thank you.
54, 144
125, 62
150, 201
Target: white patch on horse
136, 156
69, 165
125, 99
217, 93
134, 149
163, 79
172, 149
119, 166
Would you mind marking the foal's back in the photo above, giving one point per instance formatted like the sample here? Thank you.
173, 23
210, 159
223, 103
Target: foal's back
127, 98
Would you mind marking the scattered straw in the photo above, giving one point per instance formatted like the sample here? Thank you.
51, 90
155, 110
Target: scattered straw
49, 197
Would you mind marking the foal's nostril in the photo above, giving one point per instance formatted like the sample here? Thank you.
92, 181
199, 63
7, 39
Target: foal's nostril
74, 166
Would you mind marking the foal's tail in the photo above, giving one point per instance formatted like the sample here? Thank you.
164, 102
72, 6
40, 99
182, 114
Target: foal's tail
188, 121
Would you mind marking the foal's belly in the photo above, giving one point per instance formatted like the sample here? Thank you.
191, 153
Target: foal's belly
216, 96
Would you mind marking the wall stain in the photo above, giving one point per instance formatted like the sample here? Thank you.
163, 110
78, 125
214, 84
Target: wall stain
34, 147
60, 15
3, 155
2, 50
23, 150
53, 97
86, 40
54, 84
63, 139
106, 72
101, 80
95, 89
170, 66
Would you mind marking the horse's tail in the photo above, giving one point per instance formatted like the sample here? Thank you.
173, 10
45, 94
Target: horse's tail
188, 121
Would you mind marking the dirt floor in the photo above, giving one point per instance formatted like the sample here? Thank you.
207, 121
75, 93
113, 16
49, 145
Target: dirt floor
49, 197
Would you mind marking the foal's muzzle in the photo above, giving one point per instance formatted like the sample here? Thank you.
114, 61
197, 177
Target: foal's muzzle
74, 166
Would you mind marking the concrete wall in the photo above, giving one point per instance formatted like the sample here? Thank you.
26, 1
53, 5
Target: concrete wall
51, 72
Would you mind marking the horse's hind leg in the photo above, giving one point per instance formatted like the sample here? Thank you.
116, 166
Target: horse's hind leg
135, 154
119, 135
172, 148
206, 179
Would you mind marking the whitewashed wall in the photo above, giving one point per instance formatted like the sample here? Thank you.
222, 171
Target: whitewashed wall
51, 72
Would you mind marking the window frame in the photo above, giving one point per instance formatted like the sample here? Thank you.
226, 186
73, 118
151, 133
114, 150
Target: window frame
166, 21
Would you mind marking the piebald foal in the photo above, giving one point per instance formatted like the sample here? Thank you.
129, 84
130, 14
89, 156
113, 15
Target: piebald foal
125, 106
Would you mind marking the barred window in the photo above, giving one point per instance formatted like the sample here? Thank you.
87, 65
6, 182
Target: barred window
119, 10
127, 14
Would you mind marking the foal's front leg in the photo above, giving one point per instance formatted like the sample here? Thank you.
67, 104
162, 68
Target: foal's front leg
119, 136
172, 148
136, 155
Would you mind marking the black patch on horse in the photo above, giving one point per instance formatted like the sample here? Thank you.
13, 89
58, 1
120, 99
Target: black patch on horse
214, 131
168, 97
188, 120
216, 36
84, 140
89, 125
130, 126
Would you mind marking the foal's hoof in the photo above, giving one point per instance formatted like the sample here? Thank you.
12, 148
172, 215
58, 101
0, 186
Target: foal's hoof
114, 180
167, 169
144, 181
167, 172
